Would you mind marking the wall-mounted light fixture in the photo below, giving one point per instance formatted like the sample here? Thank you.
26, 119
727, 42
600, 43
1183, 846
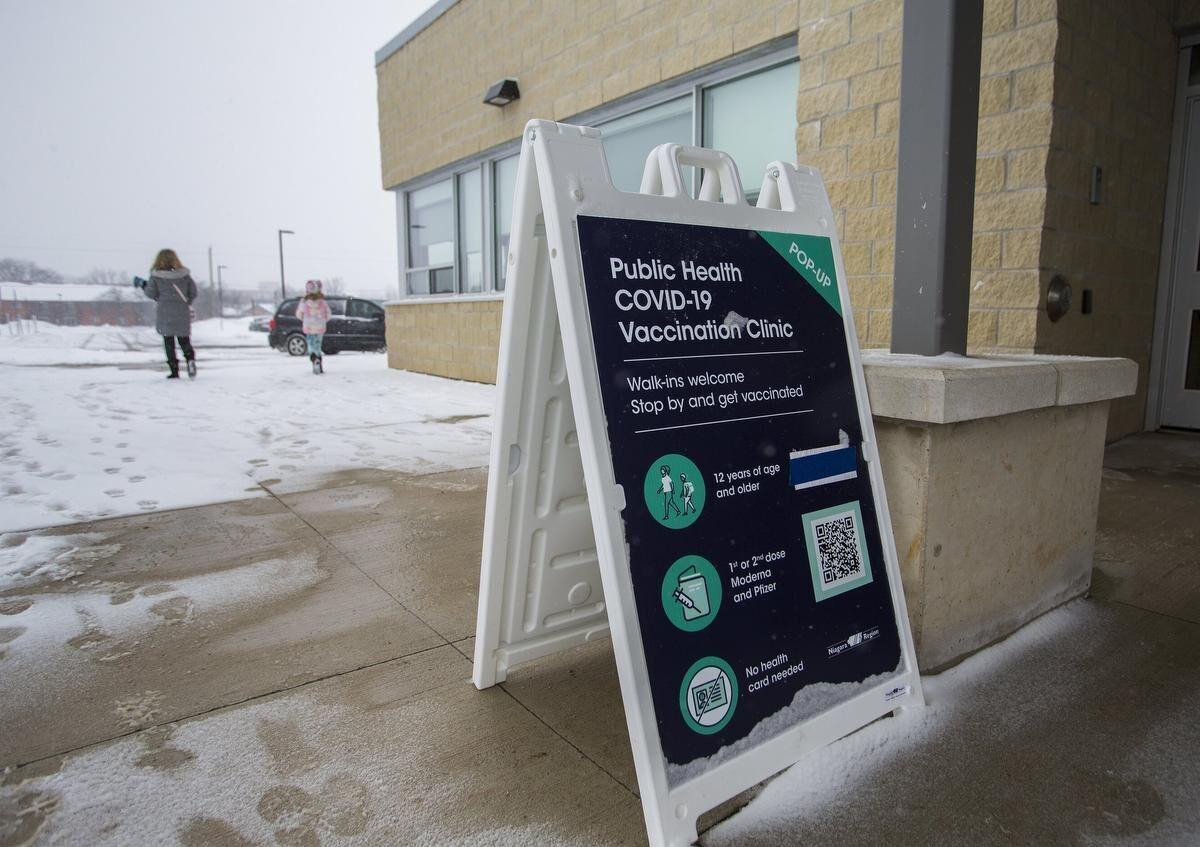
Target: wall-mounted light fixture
502, 93
1058, 298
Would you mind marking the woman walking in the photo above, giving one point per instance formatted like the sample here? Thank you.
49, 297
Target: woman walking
314, 312
172, 288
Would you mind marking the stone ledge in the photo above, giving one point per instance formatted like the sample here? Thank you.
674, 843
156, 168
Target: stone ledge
948, 388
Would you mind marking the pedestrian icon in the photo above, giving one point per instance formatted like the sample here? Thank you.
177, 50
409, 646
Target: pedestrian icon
674, 491
691, 593
708, 696
667, 488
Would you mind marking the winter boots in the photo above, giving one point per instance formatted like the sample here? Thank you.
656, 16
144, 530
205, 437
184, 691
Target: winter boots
174, 366
316, 363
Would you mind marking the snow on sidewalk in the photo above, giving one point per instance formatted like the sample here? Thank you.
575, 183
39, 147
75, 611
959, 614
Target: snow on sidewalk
90, 428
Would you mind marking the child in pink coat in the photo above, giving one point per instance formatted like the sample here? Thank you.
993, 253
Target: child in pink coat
313, 311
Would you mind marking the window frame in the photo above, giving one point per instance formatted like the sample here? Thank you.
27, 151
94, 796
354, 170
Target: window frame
780, 51
408, 270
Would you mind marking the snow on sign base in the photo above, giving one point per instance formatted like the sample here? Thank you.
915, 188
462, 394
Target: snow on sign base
683, 455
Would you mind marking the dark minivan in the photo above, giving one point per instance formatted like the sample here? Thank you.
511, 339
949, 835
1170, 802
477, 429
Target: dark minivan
354, 324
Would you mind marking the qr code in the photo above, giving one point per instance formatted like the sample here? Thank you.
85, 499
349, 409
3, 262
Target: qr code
837, 549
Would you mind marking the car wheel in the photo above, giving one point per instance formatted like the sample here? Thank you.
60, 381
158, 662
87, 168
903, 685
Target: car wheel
296, 345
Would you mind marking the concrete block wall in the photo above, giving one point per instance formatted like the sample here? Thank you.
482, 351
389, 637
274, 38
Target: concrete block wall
1114, 93
1064, 84
569, 57
459, 339
848, 114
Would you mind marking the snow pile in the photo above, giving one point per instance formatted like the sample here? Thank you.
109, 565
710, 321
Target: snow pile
89, 427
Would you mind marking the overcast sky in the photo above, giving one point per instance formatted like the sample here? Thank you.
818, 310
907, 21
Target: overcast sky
130, 125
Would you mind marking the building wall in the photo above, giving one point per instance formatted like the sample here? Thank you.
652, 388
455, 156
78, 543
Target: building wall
568, 56
459, 339
79, 313
1114, 93
1064, 84
849, 118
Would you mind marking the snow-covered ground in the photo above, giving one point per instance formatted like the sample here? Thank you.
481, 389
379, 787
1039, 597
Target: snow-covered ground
90, 428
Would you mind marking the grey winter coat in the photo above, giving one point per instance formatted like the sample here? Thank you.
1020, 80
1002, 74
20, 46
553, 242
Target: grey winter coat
173, 315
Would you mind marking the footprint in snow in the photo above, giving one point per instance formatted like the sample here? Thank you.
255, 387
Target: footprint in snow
174, 610
128, 459
138, 710
14, 607
25, 813
148, 504
136, 478
114, 492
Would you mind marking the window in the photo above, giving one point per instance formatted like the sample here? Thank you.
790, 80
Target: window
747, 119
431, 239
505, 182
470, 231
629, 140
363, 309
337, 306
459, 227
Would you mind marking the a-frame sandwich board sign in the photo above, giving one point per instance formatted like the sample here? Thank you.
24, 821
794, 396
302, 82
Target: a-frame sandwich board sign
683, 456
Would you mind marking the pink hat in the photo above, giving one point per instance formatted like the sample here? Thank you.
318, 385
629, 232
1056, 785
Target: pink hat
312, 286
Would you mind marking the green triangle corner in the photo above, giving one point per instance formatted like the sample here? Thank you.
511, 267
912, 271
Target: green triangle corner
812, 257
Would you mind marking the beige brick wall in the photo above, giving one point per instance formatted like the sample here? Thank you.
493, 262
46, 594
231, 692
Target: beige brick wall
1063, 84
453, 338
568, 58
1114, 91
849, 113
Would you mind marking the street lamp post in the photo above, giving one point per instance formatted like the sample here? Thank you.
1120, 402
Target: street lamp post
221, 296
282, 284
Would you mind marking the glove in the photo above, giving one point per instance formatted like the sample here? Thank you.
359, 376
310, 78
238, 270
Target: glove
138, 282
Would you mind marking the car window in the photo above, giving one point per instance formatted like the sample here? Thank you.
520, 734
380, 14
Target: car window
364, 309
337, 306
287, 307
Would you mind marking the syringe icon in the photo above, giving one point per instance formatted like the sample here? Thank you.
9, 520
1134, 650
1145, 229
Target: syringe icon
683, 600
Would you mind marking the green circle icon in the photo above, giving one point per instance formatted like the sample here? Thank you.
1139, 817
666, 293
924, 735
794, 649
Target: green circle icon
674, 491
691, 593
708, 695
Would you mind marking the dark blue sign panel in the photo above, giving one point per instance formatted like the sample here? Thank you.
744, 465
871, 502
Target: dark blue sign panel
754, 547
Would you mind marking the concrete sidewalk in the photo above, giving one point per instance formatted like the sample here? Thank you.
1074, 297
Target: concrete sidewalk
294, 670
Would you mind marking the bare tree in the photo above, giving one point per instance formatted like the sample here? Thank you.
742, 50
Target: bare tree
20, 270
107, 276
334, 285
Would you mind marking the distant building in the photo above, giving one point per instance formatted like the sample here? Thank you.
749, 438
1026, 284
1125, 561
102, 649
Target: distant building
74, 305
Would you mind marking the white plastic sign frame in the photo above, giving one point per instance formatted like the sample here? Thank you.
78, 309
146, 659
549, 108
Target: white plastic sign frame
555, 569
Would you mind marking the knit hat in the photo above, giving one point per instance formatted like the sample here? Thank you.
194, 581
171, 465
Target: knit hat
312, 286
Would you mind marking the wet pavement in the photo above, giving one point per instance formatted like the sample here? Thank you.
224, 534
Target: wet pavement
294, 669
